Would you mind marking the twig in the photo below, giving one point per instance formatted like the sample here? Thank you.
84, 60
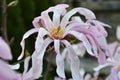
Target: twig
4, 20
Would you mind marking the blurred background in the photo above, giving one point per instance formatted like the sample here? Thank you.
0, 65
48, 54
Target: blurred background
20, 14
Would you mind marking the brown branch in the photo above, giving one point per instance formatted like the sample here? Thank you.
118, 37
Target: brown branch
4, 20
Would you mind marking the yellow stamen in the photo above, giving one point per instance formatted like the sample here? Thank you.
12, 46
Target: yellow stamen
118, 67
57, 32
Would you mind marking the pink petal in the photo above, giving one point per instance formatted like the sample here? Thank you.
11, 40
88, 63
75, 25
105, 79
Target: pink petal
101, 57
59, 59
112, 48
82, 38
38, 20
6, 73
93, 44
5, 51
26, 35
74, 61
83, 11
100, 26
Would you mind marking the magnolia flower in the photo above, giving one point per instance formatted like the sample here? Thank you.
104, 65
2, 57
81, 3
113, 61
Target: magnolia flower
114, 61
6, 73
61, 25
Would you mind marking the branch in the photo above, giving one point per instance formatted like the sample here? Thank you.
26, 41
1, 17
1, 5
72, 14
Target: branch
4, 20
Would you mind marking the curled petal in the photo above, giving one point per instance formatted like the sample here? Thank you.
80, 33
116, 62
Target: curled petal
16, 66
37, 59
22, 43
5, 51
83, 11
59, 59
39, 41
74, 61
82, 38
37, 21
101, 57
6, 73
100, 26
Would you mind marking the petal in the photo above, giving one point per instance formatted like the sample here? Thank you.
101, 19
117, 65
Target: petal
82, 38
118, 33
100, 26
74, 61
59, 59
39, 41
75, 24
87, 77
5, 51
22, 43
117, 54
6, 73
83, 11
27, 75
93, 44
101, 57
79, 49
114, 73
16, 66
100, 67
112, 48
58, 11
26, 62
49, 24
37, 21
37, 59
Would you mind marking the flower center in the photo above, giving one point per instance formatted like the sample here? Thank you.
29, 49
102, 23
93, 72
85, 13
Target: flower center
118, 67
57, 32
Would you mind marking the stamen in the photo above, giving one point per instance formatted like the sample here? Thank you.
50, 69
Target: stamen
57, 32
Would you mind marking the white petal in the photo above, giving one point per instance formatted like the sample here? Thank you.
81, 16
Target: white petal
100, 67
16, 66
37, 59
26, 35
82, 38
118, 33
56, 19
59, 59
26, 62
47, 20
39, 41
74, 61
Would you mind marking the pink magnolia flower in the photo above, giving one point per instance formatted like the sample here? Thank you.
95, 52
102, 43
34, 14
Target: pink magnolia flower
6, 73
57, 29
113, 60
